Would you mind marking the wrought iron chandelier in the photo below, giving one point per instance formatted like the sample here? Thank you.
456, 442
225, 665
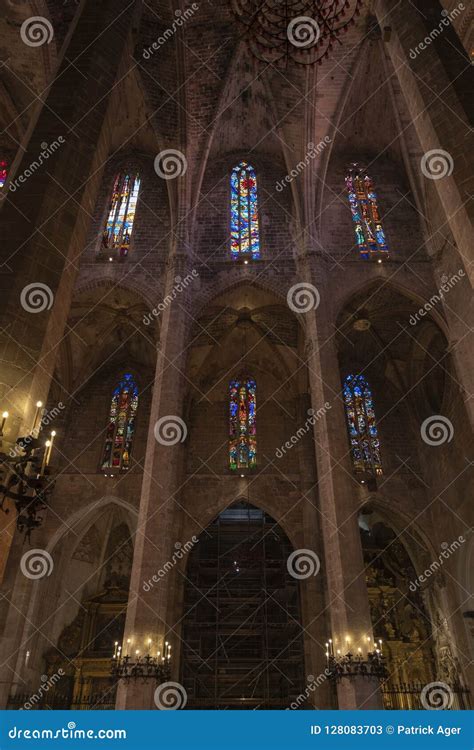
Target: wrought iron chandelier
303, 31
25, 478
141, 667
370, 664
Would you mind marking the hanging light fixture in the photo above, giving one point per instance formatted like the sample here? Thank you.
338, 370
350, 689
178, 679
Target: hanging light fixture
301, 31
25, 479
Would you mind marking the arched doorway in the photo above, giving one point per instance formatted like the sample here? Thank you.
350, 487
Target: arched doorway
242, 633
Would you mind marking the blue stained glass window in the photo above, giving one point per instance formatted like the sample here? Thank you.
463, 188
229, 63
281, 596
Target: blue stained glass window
245, 236
242, 424
369, 233
121, 425
118, 230
361, 425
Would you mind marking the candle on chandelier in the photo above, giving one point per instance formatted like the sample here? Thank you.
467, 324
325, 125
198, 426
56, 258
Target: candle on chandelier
45, 456
5, 416
39, 405
48, 457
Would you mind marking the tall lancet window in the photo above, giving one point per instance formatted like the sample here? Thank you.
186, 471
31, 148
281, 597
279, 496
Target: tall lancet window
370, 237
118, 230
242, 424
121, 426
244, 229
361, 424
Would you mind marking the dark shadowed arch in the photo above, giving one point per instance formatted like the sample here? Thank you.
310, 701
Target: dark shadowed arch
242, 632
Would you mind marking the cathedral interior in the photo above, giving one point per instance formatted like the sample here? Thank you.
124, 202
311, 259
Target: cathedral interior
236, 360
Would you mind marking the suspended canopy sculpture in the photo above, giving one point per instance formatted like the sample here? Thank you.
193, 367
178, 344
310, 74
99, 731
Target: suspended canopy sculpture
303, 31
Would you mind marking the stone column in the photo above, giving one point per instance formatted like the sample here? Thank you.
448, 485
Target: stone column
149, 599
342, 565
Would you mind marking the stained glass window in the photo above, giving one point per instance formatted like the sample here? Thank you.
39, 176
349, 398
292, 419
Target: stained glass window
245, 240
242, 424
121, 426
370, 237
118, 230
3, 173
361, 424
